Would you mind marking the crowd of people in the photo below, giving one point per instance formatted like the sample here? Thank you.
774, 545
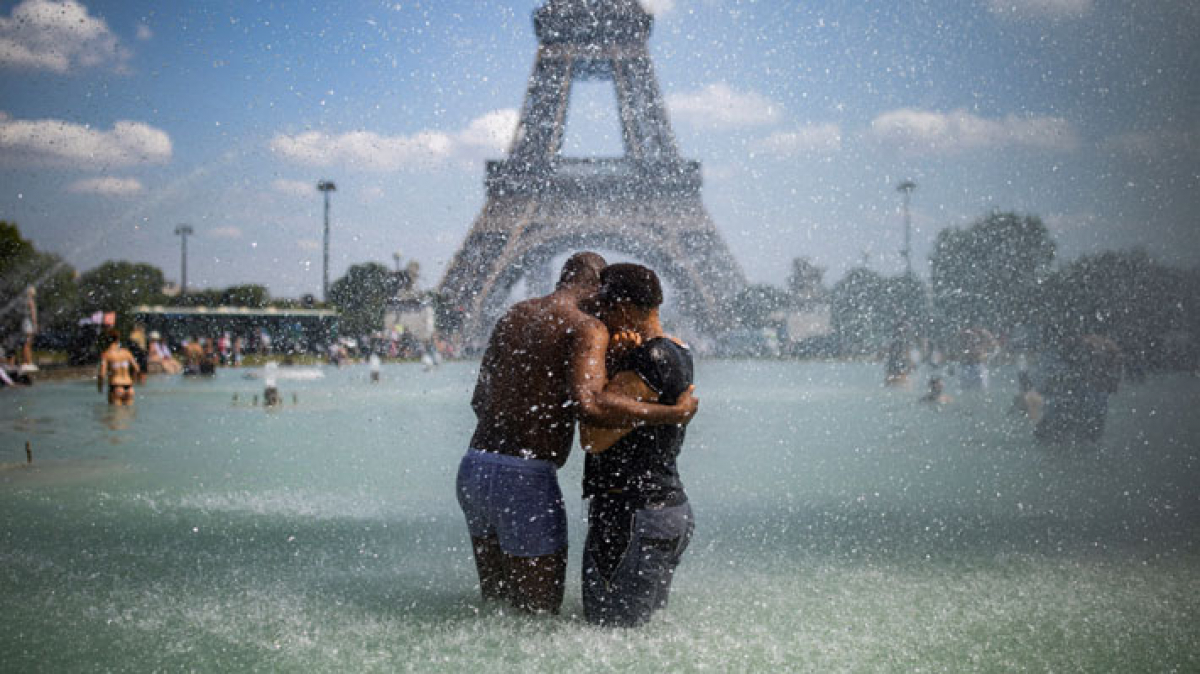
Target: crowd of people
1063, 389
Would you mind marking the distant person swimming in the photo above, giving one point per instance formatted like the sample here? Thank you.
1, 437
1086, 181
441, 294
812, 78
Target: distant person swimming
119, 368
937, 392
639, 518
542, 371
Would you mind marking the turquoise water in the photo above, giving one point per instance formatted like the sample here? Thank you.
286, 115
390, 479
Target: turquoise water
841, 527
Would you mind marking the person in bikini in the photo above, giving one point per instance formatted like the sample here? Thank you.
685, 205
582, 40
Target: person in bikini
639, 518
542, 371
119, 368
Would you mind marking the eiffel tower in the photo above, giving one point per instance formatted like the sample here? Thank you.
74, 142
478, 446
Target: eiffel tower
645, 204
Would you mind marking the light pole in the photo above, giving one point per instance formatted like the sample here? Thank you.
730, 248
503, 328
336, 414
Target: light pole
397, 256
906, 189
326, 186
183, 231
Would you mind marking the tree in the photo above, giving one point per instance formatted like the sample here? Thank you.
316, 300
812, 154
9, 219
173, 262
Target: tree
754, 305
247, 295
987, 275
858, 310
806, 282
21, 266
1125, 296
120, 286
200, 297
869, 309
362, 296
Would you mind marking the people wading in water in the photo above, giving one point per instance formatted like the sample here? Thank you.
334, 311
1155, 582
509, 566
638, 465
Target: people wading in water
543, 370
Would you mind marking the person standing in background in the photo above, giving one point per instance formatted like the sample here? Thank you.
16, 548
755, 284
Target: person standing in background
29, 326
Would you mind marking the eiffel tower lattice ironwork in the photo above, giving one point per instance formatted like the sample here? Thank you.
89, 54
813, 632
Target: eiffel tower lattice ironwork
645, 204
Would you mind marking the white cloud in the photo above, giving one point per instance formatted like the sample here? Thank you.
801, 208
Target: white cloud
808, 140
1155, 145
658, 7
294, 188
485, 136
225, 232
60, 36
1060, 223
924, 131
719, 106
1028, 9
143, 32
52, 142
107, 186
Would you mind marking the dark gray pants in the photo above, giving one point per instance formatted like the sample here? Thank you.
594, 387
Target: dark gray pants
629, 560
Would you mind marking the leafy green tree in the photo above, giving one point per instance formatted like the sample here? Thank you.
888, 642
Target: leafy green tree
806, 282
120, 286
988, 274
21, 266
754, 305
1125, 296
362, 296
199, 297
14, 249
869, 309
247, 295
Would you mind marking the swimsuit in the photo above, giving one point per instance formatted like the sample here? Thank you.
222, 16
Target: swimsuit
514, 500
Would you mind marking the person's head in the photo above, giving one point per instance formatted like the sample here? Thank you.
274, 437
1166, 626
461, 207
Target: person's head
935, 386
581, 270
628, 295
109, 339
30, 292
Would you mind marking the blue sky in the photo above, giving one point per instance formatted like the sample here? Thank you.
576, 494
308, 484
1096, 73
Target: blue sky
121, 119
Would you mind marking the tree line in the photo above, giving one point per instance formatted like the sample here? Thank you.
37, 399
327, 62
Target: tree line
999, 274
66, 296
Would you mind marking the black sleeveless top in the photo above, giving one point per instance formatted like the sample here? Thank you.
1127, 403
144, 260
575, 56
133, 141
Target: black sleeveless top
641, 465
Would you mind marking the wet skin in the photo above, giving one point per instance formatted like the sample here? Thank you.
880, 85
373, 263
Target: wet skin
543, 371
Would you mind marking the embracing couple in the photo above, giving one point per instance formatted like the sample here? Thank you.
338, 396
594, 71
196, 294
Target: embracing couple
593, 352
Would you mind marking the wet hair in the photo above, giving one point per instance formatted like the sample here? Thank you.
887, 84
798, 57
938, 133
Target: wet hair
632, 283
582, 268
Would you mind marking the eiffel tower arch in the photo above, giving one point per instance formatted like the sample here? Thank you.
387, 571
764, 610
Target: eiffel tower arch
645, 204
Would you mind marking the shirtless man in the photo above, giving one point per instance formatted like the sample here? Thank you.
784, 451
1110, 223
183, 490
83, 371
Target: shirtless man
119, 367
543, 370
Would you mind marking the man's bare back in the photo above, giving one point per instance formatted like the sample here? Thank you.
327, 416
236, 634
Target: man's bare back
524, 399
543, 371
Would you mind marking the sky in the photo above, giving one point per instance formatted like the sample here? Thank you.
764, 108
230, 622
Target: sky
120, 120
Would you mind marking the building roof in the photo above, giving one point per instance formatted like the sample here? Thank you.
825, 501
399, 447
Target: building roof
233, 311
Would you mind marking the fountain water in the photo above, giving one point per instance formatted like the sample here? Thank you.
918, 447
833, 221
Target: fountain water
841, 526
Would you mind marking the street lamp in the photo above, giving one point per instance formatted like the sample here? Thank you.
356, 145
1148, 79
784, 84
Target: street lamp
183, 231
906, 189
397, 256
326, 186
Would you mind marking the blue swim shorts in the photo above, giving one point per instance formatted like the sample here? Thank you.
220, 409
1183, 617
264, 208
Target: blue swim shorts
515, 500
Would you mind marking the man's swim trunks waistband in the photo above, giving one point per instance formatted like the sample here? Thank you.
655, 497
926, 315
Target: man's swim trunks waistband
514, 461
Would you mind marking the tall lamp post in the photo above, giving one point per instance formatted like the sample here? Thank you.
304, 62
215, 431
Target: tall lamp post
326, 186
183, 231
906, 189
